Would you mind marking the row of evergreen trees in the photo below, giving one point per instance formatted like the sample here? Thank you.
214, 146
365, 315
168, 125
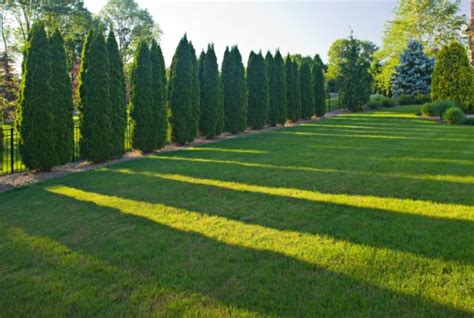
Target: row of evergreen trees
198, 100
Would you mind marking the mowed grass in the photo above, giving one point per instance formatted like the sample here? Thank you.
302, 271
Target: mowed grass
368, 214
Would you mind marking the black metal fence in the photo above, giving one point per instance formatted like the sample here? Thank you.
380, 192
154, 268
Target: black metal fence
11, 161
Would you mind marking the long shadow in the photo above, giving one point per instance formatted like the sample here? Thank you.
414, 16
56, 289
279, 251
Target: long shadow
436, 238
161, 259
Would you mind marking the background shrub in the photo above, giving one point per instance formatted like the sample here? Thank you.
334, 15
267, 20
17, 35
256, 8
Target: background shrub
422, 98
437, 108
377, 101
454, 116
469, 121
406, 100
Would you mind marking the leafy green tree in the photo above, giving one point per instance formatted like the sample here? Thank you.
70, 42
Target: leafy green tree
413, 75
160, 117
235, 91
272, 85
131, 23
95, 103
307, 93
182, 94
117, 97
61, 100
319, 90
280, 88
452, 76
257, 83
141, 99
211, 94
35, 115
433, 23
354, 81
293, 90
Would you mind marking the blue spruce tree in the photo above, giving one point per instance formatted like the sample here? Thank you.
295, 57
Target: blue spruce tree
413, 75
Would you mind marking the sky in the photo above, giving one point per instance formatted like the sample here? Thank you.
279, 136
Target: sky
304, 27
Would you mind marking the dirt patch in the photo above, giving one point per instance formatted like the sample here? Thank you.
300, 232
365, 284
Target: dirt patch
18, 180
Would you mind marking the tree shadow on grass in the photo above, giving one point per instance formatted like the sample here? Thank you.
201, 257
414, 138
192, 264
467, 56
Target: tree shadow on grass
155, 265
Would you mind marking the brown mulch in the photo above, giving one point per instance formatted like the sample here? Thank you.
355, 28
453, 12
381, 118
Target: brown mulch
18, 180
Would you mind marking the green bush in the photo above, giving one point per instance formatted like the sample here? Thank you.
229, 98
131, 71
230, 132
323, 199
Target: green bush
388, 102
454, 116
406, 100
377, 101
469, 121
422, 98
437, 108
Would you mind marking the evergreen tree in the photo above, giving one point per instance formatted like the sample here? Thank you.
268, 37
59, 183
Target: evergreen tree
319, 91
413, 75
235, 91
211, 96
35, 114
182, 94
452, 77
272, 87
61, 100
118, 114
258, 100
95, 105
307, 93
354, 81
143, 135
280, 88
293, 90
194, 131
160, 117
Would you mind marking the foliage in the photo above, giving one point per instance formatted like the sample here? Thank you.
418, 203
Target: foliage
469, 121
235, 91
433, 23
437, 108
422, 98
354, 81
158, 92
118, 114
307, 92
378, 101
452, 76
257, 83
406, 99
280, 88
141, 101
35, 114
61, 100
454, 116
182, 94
319, 90
196, 103
95, 102
413, 75
211, 94
9, 85
131, 24
272, 89
293, 90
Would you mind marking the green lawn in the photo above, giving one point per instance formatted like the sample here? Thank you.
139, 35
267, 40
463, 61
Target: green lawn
367, 214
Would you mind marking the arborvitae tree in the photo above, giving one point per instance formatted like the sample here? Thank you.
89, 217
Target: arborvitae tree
143, 135
307, 97
182, 94
257, 82
354, 81
61, 100
413, 75
273, 111
452, 77
293, 90
118, 114
35, 114
319, 90
211, 96
160, 117
194, 132
235, 91
95, 105
280, 88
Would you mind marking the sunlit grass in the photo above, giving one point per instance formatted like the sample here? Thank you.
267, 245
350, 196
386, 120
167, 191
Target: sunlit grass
308, 221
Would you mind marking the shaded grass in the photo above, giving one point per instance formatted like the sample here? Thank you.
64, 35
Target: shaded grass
275, 224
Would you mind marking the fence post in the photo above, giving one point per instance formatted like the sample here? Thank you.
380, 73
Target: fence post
12, 152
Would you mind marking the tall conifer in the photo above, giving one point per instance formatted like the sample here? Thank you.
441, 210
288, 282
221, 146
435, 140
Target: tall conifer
196, 103
280, 90
257, 81
160, 120
319, 90
235, 91
307, 97
35, 116
117, 97
61, 100
143, 136
272, 89
293, 90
